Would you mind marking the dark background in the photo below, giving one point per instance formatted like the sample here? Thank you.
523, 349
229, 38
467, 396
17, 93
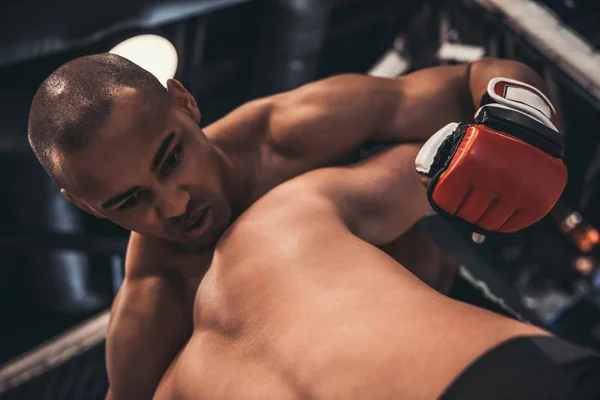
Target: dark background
59, 266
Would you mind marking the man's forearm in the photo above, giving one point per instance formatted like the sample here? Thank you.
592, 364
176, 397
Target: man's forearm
429, 99
381, 197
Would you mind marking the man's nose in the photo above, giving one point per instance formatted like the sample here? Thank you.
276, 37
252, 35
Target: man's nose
174, 203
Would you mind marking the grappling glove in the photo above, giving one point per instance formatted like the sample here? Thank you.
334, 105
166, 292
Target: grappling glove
502, 173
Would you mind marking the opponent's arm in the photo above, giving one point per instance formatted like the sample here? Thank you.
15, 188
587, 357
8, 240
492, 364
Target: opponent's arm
501, 173
379, 198
150, 322
334, 116
498, 169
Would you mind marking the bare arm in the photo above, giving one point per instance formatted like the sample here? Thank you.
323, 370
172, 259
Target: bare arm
433, 97
379, 198
150, 321
332, 117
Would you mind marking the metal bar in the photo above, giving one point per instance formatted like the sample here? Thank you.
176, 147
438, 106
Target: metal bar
54, 352
391, 65
533, 24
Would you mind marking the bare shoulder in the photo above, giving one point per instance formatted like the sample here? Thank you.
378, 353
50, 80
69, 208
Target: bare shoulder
301, 123
246, 123
275, 215
361, 198
336, 87
349, 107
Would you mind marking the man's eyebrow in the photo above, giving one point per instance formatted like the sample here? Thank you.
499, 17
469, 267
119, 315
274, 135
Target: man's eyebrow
160, 153
120, 197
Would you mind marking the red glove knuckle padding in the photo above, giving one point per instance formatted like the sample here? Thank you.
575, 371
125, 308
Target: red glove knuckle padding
499, 182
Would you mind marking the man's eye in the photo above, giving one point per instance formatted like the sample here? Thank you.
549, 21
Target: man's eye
172, 160
131, 201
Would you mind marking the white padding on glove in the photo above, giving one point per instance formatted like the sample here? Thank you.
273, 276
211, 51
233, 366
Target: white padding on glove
426, 155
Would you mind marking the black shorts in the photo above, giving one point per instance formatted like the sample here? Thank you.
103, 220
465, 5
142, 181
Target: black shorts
530, 368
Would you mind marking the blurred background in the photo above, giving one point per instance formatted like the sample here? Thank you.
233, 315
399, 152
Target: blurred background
60, 268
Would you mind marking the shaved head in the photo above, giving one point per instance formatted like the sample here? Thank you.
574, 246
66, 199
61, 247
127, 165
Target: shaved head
123, 147
75, 103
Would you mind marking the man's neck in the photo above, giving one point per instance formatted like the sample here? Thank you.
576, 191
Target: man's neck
239, 169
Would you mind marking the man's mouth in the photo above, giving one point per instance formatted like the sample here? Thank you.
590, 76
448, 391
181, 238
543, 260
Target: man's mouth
200, 225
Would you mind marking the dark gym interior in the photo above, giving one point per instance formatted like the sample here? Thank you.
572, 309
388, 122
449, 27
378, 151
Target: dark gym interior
60, 266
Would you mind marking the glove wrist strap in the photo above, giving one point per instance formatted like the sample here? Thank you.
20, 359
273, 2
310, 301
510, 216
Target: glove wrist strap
521, 126
522, 97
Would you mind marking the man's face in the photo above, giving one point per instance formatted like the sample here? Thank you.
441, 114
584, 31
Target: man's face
152, 170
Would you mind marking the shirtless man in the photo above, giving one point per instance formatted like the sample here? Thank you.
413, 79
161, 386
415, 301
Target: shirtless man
123, 148
296, 306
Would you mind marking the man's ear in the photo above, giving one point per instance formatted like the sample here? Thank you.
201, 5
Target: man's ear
183, 99
73, 199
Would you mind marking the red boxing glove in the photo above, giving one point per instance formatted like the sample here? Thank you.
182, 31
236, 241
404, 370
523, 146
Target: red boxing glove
504, 172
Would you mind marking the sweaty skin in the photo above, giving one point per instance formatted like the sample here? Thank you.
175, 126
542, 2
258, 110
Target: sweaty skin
227, 167
296, 306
